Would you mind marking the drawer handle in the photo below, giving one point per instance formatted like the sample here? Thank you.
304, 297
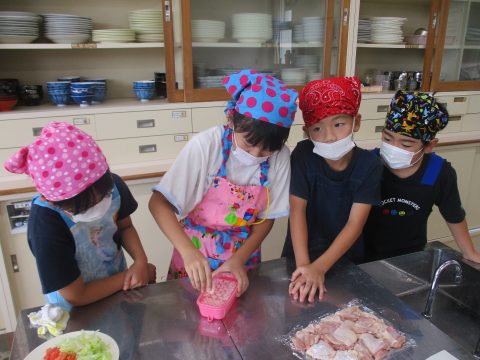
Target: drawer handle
379, 129
443, 104
454, 118
145, 149
179, 114
382, 108
142, 124
460, 99
81, 121
37, 131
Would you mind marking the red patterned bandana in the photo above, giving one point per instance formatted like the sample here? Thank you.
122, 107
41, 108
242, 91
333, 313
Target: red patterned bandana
327, 97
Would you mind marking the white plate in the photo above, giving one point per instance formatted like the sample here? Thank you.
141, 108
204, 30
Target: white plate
17, 39
39, 351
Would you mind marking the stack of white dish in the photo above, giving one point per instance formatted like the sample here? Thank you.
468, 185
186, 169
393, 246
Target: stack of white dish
148, 24
387, 30
306, 61
364, 30
293, 76
18, 27
67, 29
313, 29
313, 76
208, 30
252, 27
456, 10
114, 35
212, 81
298, 33
473, 34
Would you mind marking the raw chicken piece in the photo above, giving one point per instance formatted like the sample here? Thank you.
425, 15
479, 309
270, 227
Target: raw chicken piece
304, 339
393, 337
370, 325
347, 355
344, 335
376, 347
321, 350
362, 351
350, 313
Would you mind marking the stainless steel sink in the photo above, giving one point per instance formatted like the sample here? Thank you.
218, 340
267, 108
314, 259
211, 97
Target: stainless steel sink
456, 307
449, 315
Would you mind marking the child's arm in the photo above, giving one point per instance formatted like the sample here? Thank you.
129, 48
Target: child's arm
79, 293
299, 230
196, 265
464, 241
236, 264
314, 274
141, 272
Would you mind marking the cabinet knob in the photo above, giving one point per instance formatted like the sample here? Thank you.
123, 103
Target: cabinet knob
145, 149
81, 121
454, 118
36, 131
379, 129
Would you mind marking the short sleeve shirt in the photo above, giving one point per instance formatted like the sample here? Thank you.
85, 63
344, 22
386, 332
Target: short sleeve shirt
53, 245
330, 195
194, 169
398, 225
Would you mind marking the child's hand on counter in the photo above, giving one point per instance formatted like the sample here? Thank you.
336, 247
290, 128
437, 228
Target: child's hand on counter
306, 281
137, 275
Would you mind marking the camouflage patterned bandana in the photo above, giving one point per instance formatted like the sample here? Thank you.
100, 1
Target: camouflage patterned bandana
416, 115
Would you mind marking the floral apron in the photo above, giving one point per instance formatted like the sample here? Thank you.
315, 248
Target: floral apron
96, 253
221, 222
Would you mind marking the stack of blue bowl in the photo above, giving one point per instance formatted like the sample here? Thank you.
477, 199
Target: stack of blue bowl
144, 89
70, 79
82, 92
99, 91
59, 92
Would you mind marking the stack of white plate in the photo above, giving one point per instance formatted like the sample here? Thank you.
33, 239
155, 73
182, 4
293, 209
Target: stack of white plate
114, 35
473, 34
364, 30
298, 33
313, 76
313, 29
212, 81
208, 30
294, 76
148, 24
67, 29
387, 30
18, 27
306, 61
252, 27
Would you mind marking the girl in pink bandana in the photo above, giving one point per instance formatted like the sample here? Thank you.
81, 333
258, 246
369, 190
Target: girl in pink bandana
81, 219
229, 183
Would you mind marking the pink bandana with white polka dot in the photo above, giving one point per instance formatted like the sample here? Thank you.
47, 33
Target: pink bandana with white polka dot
261, 97
63, 161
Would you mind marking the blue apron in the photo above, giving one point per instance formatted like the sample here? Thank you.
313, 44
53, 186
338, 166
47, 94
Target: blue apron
96, 253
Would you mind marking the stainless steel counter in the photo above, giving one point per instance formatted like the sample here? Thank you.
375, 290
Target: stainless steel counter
162, 321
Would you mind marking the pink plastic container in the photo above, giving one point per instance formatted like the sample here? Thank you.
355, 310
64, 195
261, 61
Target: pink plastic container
215, 304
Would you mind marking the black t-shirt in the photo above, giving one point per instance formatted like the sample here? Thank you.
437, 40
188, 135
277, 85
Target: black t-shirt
53, 245
330, 195
399, 224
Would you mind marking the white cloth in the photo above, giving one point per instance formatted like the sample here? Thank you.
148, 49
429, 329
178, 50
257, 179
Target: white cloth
192, 173
50, 318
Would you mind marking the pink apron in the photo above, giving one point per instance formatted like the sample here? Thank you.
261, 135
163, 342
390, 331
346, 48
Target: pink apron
221, 222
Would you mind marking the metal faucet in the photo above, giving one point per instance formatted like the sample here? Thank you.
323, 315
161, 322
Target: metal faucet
433, 288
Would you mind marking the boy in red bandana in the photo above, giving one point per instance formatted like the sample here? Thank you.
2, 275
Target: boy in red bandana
333, 185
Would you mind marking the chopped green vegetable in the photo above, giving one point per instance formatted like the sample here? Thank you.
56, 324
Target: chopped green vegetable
87, 346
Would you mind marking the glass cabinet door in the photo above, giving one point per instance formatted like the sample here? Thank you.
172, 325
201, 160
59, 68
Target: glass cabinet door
457, 67
290, 39
390, 42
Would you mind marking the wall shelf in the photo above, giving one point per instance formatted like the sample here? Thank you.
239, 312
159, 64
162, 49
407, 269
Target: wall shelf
390, 46
82, 46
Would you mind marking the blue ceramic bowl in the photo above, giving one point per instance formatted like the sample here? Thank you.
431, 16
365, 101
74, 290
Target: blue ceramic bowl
83, 100
144, 94
58, 98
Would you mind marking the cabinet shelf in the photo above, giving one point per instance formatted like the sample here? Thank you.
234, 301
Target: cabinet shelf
254, 45
82, 46
390, 46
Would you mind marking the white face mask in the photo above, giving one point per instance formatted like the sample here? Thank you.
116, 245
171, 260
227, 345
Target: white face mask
95, 212
245, 157
397, 158
337, 149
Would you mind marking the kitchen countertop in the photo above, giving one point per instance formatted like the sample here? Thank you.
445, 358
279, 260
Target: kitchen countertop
162, 320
